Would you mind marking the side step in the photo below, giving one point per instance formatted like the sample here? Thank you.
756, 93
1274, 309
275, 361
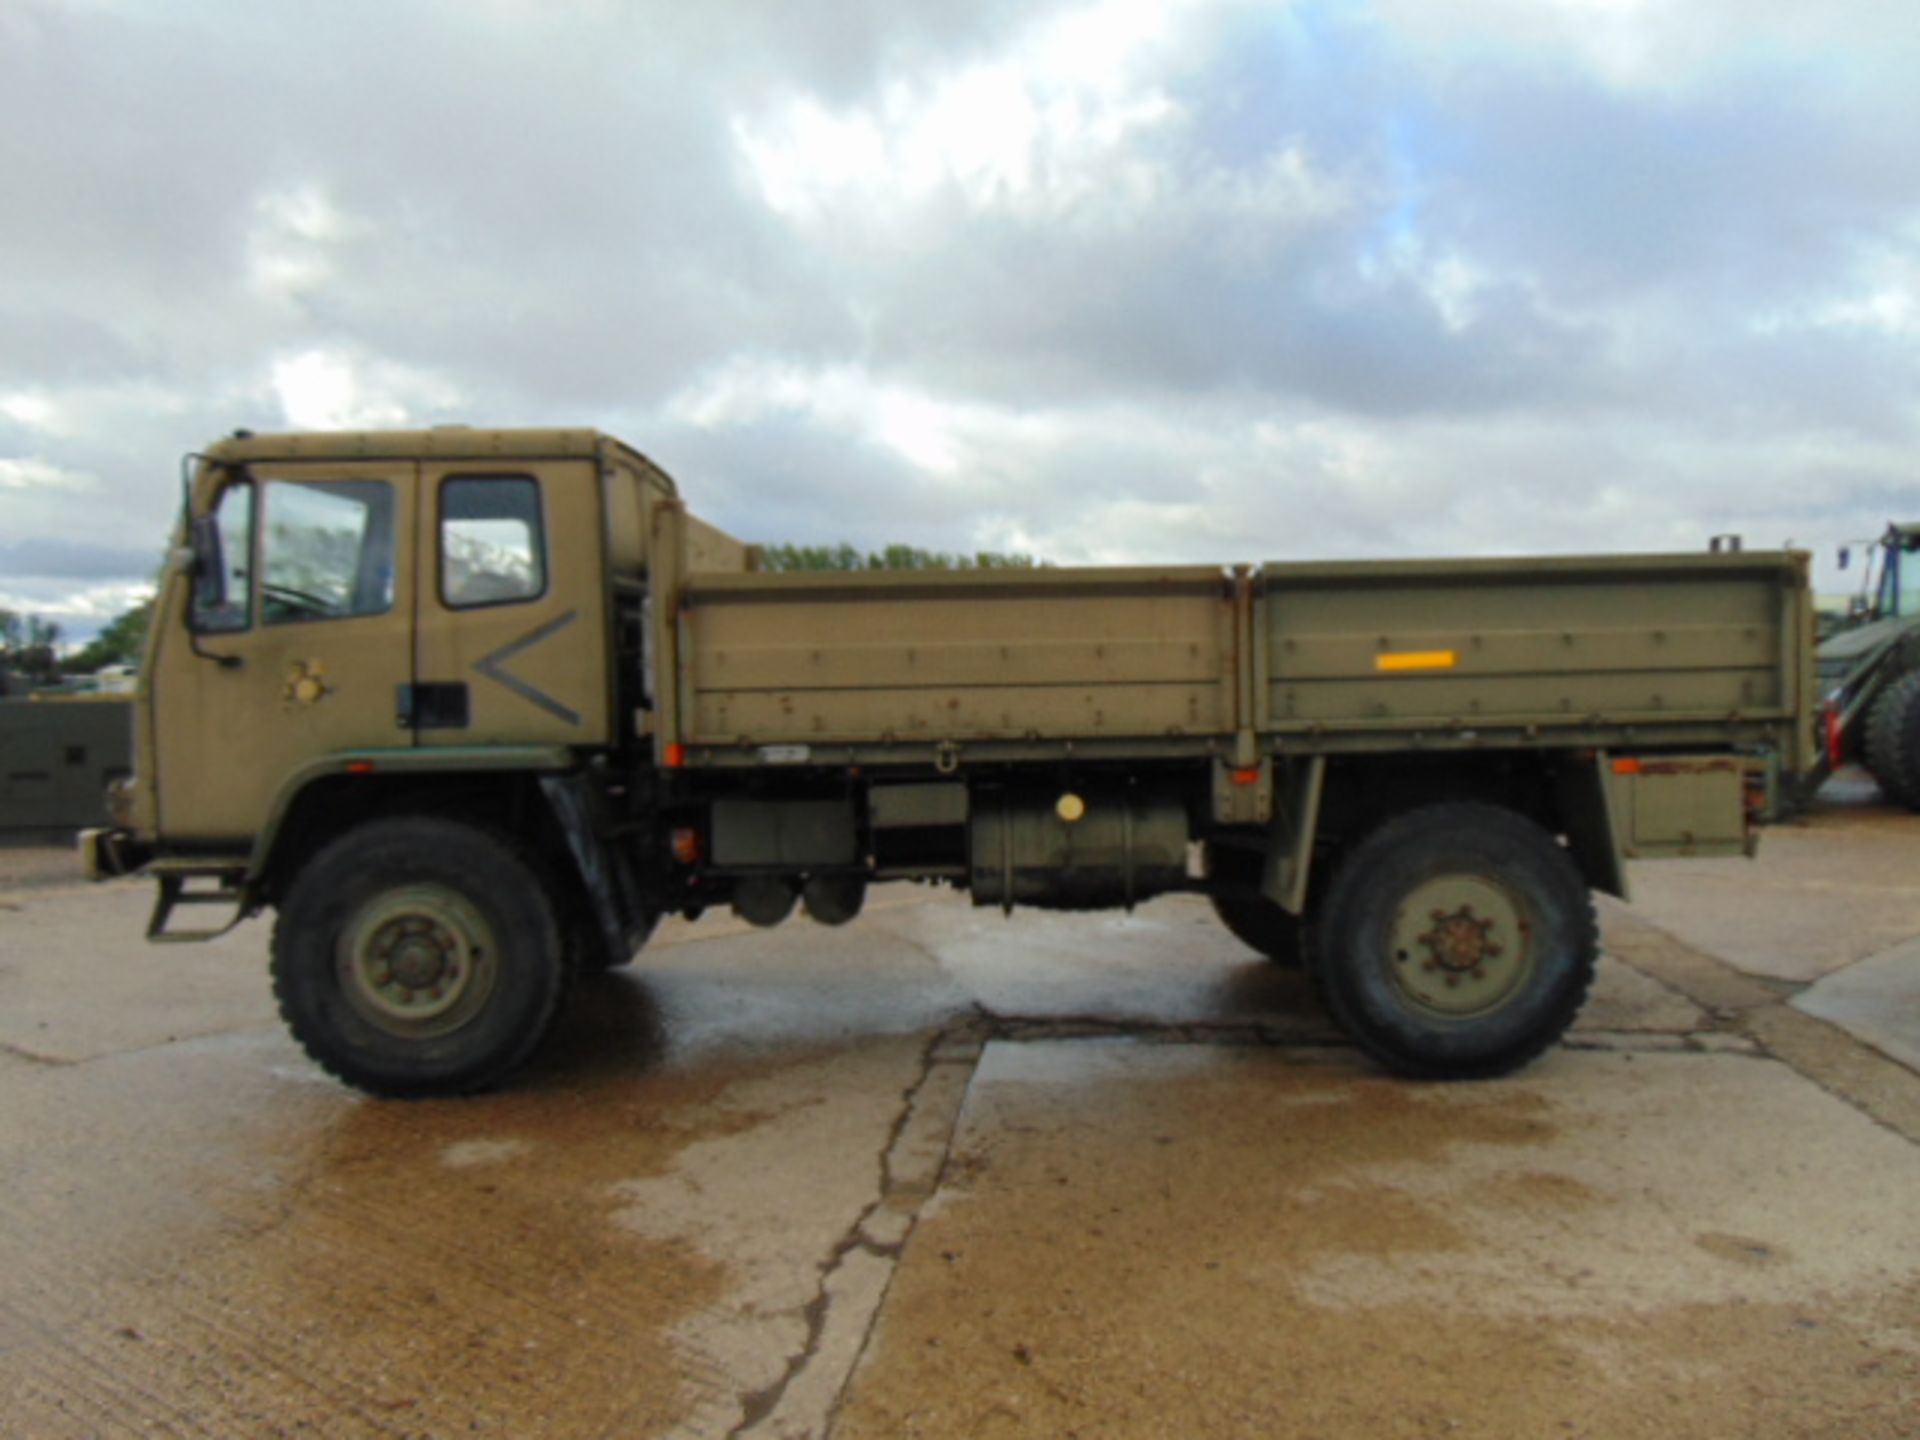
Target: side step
174, 876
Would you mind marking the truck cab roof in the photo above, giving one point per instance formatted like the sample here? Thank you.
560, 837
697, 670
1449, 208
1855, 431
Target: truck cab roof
441, 442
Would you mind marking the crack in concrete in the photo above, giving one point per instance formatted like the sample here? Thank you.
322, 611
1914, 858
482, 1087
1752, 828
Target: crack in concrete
32, 1057
130, 1051
995, 1025
998, 1025
760, 1405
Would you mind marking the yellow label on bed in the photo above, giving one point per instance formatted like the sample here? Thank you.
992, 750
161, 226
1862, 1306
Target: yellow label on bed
1416, 660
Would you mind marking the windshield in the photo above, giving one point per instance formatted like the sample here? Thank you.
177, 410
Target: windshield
327, 551
1900, 578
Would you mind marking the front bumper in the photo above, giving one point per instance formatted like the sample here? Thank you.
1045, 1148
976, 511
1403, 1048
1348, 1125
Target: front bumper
106, 853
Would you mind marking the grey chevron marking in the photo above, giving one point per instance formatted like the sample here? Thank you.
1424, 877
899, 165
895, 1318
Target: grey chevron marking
494, 667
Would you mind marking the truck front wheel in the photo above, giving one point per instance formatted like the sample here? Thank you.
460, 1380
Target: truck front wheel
418, 956
1456, 941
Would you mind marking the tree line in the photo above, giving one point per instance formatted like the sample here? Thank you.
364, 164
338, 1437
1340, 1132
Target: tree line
30, 645
890, 557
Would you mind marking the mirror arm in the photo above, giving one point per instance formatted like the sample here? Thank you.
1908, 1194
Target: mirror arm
225, 662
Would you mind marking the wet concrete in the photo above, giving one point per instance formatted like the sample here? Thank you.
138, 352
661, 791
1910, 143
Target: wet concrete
737, 1193
1258, 1243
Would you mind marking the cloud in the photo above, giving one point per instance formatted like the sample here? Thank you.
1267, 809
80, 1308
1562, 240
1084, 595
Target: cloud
1114, 279
1033, 129
73, 560
291, 246
38, 475
937, 437
336, 390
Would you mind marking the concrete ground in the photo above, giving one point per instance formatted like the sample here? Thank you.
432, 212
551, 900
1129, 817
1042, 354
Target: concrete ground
946, 1174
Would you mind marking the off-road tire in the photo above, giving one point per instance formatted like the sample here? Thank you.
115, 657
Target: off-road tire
1893, 741
1263, 926
1391, 967
418, 891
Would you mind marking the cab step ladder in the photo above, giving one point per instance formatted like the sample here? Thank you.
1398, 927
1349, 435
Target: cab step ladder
175, 876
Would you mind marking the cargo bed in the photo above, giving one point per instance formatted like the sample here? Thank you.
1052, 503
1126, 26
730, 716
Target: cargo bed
1652, 651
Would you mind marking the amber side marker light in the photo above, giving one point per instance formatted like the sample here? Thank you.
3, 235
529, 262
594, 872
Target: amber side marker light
686, 846
1416, 660
1626, 765
359, 767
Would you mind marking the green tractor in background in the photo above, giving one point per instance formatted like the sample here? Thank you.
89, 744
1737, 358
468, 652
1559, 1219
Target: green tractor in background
1869, 672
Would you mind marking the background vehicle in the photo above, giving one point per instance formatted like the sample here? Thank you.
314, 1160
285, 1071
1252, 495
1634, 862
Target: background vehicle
58, 755
471, 708
1869, 673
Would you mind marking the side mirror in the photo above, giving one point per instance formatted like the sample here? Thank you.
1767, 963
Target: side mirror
1846, 556
209, 574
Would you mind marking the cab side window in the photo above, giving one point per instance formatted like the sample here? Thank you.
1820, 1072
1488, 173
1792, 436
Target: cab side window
492, 546
328, 551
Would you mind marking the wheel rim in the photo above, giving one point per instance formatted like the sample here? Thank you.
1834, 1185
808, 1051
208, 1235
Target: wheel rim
418, 961
1460, 945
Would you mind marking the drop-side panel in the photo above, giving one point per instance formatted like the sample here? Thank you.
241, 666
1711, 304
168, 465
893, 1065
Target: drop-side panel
990, 655
1626, 640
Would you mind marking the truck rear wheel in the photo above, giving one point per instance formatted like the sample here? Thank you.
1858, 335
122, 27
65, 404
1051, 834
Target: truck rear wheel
1456, 941
1261, 925
418, 956
1893, 741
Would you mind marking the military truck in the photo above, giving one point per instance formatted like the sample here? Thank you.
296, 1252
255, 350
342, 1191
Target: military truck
1869, 673
471, 710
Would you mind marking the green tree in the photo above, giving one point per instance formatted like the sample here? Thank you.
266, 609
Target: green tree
29, 646
119, 642
892, 557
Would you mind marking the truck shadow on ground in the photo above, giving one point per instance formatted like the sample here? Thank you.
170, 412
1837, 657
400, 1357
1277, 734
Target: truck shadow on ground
1263, 988
622, 1027
610, 1028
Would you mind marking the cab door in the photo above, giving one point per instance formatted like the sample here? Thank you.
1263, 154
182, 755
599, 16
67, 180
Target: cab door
301, 652
511, 642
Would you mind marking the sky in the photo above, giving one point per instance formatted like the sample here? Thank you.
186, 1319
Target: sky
1129, 281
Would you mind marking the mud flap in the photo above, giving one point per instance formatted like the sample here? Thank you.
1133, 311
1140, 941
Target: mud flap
613, 890
1585, 799
1297, 792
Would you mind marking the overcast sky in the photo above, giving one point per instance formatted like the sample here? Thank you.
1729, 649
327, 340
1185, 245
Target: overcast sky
1108, 282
